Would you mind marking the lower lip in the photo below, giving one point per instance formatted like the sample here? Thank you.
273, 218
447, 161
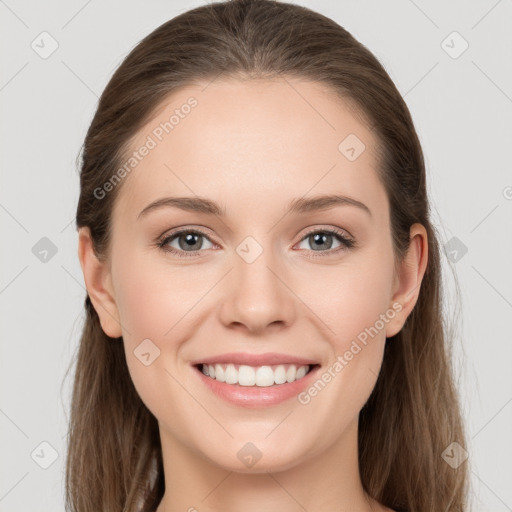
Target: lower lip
257, 396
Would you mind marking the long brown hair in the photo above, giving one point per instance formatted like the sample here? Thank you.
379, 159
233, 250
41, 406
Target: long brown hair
114, 459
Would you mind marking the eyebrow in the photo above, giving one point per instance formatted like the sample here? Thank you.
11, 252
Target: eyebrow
209, 207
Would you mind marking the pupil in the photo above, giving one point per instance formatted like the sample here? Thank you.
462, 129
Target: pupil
190, 239
320, 238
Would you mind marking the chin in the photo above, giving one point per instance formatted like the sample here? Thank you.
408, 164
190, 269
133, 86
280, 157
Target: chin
255, 458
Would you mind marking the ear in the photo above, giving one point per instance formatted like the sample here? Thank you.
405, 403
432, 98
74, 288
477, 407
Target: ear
406, 285
98, 282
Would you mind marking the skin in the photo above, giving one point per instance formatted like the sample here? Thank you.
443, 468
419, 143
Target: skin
253, 146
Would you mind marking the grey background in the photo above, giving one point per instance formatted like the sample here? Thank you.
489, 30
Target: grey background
462, 111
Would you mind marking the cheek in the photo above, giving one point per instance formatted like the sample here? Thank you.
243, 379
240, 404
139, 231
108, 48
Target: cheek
154, 298
351, 300
160, 303
154, 304
352, 308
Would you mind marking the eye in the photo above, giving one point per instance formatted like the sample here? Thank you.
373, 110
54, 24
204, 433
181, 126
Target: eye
188, 240
323, 239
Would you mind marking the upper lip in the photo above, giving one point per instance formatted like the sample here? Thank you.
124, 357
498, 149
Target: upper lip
267, 359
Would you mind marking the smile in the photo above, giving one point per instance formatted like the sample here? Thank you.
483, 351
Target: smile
262, 376
256, 386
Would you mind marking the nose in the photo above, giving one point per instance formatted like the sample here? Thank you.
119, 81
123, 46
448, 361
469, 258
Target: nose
258, 297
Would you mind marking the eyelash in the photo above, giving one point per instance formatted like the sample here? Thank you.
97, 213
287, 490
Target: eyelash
347, 243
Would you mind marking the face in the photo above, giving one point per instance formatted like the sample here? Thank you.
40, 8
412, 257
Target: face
312, 284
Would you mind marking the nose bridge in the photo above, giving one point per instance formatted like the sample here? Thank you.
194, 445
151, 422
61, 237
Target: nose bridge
257, 297
253, 263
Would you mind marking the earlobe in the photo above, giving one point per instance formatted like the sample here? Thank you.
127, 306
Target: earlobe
98, 282
408, 283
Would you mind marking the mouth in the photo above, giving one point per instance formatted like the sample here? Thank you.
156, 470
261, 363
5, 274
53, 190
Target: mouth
255, 376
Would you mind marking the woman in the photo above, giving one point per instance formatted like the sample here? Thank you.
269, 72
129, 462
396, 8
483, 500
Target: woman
228, 360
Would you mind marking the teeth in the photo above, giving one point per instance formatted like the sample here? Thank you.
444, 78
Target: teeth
255, 376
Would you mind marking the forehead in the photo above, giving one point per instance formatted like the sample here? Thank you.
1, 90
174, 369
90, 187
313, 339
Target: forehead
242, 142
